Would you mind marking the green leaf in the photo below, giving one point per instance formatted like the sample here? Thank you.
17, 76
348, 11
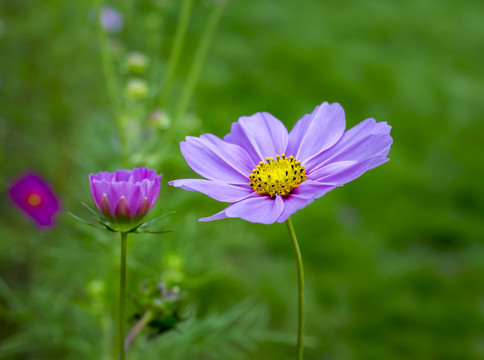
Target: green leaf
81, 220
148, 223
151, 232
106, 225
94, 212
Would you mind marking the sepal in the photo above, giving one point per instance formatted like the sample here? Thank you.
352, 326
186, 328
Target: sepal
141, 228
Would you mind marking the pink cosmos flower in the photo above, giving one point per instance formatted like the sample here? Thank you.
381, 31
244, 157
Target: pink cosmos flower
268, 174
125, 196
35, 198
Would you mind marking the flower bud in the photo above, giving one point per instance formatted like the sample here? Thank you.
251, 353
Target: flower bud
137, 62
165, 304
136, 89
125, 196
159, 119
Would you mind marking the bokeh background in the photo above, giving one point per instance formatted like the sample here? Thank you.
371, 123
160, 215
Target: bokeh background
394, 260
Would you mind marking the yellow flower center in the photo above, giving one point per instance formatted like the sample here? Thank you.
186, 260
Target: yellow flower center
277, 177
34, 199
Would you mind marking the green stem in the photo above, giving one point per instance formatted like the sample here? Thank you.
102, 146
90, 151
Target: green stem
199, 58
176, 49
111, 83
122, 297
300, 288
194, 72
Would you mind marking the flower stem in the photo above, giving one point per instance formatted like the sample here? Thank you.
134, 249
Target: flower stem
180, 35
122, 297
111, 83
194, 71
147, 317
199, 58
300, 288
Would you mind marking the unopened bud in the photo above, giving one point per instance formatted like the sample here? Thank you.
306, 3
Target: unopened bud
160, 119
136, 89
137, 62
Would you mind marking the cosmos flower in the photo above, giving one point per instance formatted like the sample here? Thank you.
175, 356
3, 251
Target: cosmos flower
111, 19
268, 174
125, 196
35, 198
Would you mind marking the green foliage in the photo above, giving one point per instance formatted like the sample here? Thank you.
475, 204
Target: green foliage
393, 261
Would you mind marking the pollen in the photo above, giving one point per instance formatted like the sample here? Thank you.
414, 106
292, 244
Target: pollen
277, 176
34, 199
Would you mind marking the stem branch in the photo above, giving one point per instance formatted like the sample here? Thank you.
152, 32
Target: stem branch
147, 317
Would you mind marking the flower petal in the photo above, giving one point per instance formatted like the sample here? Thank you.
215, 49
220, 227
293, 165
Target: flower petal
302, 196
366, 140
98, 188
261, 135
218, 216
330, 169
317, 131
351, 172
216, 190
258, 209
133, 199
216, 159
122, 210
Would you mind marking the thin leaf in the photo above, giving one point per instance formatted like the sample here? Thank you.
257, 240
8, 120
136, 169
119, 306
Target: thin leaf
94, 212
148, 223
152, 232
106, 225
81, 220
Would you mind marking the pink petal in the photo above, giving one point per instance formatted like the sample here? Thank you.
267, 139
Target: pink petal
317, 131
259, 209
216, 159
216, 190
366, 140
302, 196
261, 135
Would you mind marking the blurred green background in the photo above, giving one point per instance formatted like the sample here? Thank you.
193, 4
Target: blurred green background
394, 261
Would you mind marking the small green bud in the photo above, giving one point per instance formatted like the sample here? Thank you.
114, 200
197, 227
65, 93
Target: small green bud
136, 89
137, 62
160, 120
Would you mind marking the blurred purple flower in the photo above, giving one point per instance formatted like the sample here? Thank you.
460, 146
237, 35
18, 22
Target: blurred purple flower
35, 198
268, 174
125, 196
111, 19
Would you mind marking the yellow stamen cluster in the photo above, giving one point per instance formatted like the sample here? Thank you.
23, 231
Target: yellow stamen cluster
277, 176
34, 200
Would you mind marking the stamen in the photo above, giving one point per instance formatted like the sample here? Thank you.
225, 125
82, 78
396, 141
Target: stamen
34, 199
277, 176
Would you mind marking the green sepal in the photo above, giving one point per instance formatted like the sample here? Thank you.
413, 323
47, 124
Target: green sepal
148, 223
94, 212
82, 220
106, 225
140, 229
151, 232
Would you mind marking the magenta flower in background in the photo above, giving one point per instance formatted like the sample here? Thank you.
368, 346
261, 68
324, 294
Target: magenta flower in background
35, 198
111, 19
268, 174
125, 196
